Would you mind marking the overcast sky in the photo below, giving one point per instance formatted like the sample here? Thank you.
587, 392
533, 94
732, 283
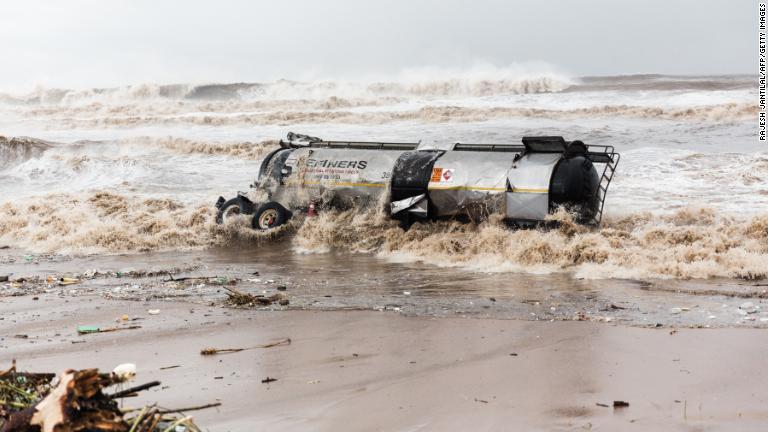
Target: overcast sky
84, 43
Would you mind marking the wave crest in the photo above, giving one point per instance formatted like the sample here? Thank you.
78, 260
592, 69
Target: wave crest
691, 243
19, 149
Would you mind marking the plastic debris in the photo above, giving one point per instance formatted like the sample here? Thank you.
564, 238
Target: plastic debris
86, 329
124, 372
68, 281
154, 311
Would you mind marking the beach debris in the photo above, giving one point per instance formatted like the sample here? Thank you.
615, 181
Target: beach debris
240, 298
268, 380
124, 372
4, 278
602, 405
620, 404
77, 401
87, 329
153, 311
170, 367
68, 281
748, 307
282, 287
406, 293
213, 351
481, 401
675, 310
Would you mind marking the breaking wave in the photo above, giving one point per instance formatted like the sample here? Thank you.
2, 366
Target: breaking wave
19, 149
242, 150
728, 112
690, 243
479, 80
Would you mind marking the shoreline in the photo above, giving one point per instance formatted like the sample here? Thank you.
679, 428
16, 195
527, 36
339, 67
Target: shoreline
365, 370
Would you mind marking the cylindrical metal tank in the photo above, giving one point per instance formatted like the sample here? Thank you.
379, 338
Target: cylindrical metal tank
523, 182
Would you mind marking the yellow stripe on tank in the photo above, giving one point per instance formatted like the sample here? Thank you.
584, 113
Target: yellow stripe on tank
342, 184
491, 189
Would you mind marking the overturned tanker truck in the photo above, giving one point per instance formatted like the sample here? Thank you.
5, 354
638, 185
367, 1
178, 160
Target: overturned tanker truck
417, 181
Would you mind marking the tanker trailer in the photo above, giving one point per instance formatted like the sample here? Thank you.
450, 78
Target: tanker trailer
420, 181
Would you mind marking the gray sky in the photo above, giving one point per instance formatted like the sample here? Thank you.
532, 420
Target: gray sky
85, 43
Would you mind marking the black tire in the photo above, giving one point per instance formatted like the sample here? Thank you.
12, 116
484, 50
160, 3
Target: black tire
235, 206
269, 215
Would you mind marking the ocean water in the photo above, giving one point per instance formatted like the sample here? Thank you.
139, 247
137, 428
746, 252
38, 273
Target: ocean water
138, 168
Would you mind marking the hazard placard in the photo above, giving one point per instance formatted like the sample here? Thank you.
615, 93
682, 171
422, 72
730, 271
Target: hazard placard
442, 175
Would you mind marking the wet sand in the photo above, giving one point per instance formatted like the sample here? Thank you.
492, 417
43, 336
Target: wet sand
366, 370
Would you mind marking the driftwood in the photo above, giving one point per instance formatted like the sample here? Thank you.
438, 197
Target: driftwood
239, 298
212, 351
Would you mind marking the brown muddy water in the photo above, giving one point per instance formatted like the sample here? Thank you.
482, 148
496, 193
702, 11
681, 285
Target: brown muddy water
360, 281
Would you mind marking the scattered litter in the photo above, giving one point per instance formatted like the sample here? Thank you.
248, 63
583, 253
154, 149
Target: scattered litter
406, 293
21, 336
620, 404
212, 351
602, 405
4, 278
254, 280
268, 380
94, 329
613, 306
741, 312
170, 367
513, 354
154, 311
282, 287
313, 382
675, 310
481, 401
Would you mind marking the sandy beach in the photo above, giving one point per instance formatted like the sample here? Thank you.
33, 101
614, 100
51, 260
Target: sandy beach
365, 370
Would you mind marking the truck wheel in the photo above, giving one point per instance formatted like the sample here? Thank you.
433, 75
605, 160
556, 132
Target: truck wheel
233, 208
269, 215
